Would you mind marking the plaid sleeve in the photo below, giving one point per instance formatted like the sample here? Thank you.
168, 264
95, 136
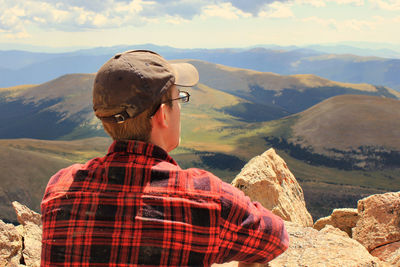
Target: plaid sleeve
249, 232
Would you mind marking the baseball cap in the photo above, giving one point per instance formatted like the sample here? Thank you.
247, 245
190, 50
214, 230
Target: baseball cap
133, 81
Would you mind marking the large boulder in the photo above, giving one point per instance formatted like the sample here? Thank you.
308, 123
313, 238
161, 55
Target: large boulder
267, 179
389, 253
32, 234
379, 224
328, 247
10, 245
344, 219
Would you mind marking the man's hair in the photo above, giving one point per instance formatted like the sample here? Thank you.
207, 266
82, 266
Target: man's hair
139, 127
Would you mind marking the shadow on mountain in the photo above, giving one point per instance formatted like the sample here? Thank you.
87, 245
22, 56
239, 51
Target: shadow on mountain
32, 120
361, 158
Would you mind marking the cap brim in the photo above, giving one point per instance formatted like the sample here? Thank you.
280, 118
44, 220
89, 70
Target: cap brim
185, 74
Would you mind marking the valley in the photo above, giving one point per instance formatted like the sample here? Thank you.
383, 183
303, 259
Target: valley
233, 115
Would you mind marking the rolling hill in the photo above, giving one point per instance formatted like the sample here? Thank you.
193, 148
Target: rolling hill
375, 122
345, 132
61, 108
234, 114
27, 164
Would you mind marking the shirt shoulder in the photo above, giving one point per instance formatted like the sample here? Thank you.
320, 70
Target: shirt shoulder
62, 180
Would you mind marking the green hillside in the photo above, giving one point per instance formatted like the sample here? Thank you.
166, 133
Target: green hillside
27, 164
233, 115
345, 132
375, 121
61, 108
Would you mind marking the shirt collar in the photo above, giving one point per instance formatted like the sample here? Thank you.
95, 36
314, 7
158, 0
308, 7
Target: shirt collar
140, 148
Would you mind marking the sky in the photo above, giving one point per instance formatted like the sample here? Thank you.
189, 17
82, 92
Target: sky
197, 23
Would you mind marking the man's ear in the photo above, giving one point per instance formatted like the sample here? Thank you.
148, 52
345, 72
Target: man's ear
161, 117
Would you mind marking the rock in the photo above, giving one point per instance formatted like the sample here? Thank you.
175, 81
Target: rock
32, 230
389, 253
344, 219
379, 222
10, 245
329, 229
328, 247
227, 264
25, 215
267, 179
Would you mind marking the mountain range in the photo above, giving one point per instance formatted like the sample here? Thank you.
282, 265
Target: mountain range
339, 139
22, 67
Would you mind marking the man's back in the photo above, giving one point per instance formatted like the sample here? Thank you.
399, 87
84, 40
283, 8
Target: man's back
136, 206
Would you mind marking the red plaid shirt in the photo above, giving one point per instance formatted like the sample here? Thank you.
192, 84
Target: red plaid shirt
137, 206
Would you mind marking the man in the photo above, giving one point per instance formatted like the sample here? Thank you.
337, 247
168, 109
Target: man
136, 206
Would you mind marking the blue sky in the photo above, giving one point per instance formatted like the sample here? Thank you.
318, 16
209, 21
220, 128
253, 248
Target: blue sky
197, 23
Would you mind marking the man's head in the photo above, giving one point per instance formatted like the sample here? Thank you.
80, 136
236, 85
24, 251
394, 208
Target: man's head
132, 88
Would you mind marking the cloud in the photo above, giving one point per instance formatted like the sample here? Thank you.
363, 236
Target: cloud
89, 5
331, 23
346, 2
323, 3
69, 15
359, 25
176, 20
314, 3
391, 5
223, 10
347, 25
277, 10
187, 9
253, 6
78, 15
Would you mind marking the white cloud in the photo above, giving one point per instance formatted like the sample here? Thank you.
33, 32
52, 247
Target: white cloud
346, 2
19, 35
80, 15
176, 20
358, 25
314, 3
131, 7
223, 10
322, 3
347, 25
331, 23
277, 10
391, 5
16, 15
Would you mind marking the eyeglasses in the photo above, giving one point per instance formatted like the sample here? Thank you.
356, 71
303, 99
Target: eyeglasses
183, 98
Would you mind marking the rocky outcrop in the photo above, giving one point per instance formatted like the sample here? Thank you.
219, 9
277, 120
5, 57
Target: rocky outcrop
10, 245
378, 228
328, 247
268, 180
389, 253
343, 219
31, 233
21, 245
375, 225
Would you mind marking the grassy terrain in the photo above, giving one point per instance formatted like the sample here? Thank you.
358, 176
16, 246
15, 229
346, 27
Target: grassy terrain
27, 161
334, 123
26, 166
220, 131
